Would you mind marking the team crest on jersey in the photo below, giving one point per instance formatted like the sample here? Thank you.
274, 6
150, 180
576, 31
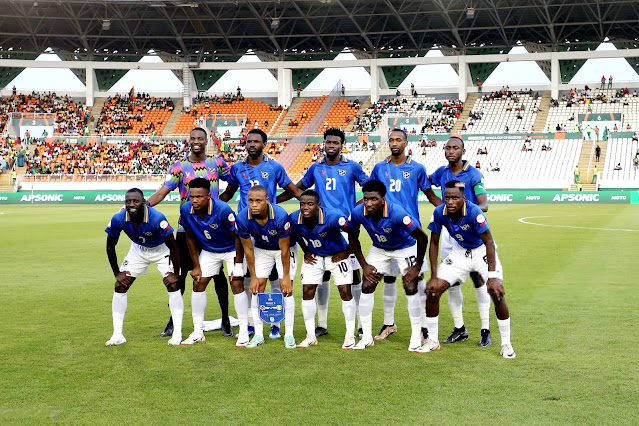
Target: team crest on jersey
406, 175
342, 172
211, 170
148, 234
245, 175
272, 231
213, 225
448, 261
388, 230
264, 175
323, 234
187, 174
465, 227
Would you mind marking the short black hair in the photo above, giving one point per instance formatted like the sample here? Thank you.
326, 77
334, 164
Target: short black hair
258, 188
456, 184
401, 131
201, 130
258, 132
200, 183
333, 131
459, 138
310, 193
138, 190
375, 185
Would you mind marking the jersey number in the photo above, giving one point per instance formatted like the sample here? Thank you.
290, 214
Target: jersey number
331, 184
395, 185
315, 243
459, 237
411, 261
206, 234
265, 238
343, 268
143, 239
381, 238
254, 182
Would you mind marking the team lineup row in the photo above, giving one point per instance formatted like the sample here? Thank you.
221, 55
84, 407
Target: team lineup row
257, 241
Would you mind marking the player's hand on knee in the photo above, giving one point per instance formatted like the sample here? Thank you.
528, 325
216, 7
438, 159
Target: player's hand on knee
124, 278
196, 274
371, 275
433, 287
254, 288
412, 272
495, 288
171, 278
286, 286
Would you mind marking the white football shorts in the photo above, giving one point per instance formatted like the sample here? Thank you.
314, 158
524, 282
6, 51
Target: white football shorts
461, 262
139, 258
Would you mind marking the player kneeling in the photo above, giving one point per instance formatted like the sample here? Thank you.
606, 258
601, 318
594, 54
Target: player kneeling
152, 242
475, 253
325, 250
265, 231
395, 235
210, 223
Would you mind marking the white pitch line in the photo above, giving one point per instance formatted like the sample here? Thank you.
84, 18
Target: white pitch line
523, 220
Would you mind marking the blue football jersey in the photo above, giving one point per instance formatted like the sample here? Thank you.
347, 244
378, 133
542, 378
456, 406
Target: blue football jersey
151, 232
335, 184
269, 173
403, 183
214, 230
392, 232
325, 239
266, 237
469, 175
467, 230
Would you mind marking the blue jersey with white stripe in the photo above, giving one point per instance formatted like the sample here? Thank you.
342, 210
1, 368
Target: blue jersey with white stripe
269, 173
467, 230
403, 183
468, 174
335, 183
151, 232
325, 238
391, 232
214, 230
266, 237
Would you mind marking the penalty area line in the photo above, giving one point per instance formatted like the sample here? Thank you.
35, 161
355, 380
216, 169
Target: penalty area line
524, 220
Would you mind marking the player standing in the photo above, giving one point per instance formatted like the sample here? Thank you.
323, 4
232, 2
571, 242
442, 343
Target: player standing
258, 169
152, 242
325, 250
334, 178
472, 178
395, 235
475, 252
265, 232
210, 224
182, 172
404, 178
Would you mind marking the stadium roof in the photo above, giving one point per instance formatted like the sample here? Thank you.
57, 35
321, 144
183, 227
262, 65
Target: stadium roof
223, 30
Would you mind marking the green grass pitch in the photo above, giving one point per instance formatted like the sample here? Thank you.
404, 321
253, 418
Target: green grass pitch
573, 294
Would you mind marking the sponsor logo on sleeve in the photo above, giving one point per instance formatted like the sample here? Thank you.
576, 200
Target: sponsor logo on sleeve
164, 224
481, 219
407, 221
231, 218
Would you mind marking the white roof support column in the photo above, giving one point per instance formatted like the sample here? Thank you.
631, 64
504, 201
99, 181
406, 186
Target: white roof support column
91, 84
187, 84
284, 85
375, 71
465, 79
555, 76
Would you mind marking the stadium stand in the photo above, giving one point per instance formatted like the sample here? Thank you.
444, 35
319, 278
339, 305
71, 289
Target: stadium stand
255, 111
621, 151
503, 111
340, 115
71, 117
564, 112
306, 112
134, 114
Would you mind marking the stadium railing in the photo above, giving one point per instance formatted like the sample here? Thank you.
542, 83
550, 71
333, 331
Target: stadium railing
93, 178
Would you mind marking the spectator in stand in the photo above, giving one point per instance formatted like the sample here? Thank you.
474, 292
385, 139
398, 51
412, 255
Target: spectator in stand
610, 82
597, 153
477, 165
603, 82
618, 166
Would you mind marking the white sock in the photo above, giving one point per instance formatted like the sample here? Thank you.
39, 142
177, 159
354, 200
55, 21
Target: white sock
198, 306
390, 296
483, 304
456, 305
275, 288
308, 311
504, 330
249, 298
415, 315
433, 328
289, 315
118, 308
421, 290
349, 308
241, 308
366, 304
356, 291
259, 328
176, 305
323, 295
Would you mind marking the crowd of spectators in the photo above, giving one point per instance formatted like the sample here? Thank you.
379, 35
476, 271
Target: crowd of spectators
71, 117
141, 157
587, 95
120, 112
